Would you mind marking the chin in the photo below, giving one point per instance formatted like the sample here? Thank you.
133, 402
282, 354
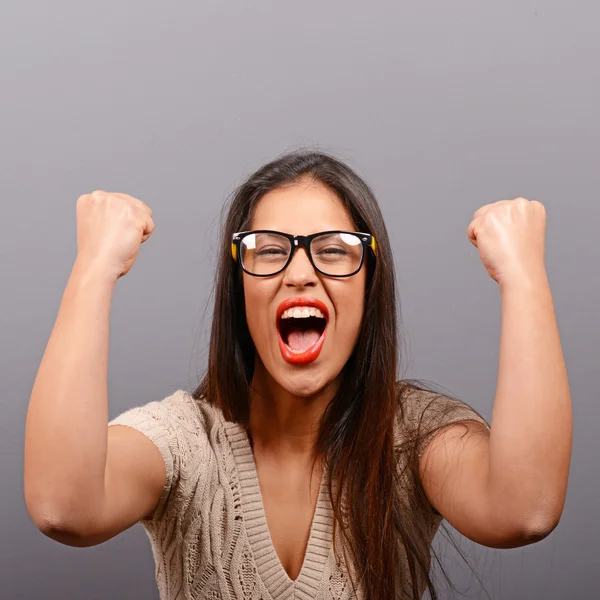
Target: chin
306, 383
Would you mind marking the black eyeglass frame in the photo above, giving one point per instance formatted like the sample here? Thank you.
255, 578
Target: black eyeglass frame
296, 241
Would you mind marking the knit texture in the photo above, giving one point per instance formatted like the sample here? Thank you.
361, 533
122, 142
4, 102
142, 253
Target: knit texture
209, 534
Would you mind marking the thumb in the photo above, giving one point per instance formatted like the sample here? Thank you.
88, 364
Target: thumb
148, 229
472, 233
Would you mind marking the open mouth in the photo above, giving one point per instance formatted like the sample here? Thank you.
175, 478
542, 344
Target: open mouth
301, 326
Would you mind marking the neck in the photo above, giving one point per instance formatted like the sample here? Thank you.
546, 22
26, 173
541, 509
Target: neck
282, 422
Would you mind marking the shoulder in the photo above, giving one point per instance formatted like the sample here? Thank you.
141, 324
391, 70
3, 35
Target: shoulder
178, 410
183, 429
422, 412
180, 425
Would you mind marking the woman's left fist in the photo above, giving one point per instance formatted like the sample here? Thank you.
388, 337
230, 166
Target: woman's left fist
510, 237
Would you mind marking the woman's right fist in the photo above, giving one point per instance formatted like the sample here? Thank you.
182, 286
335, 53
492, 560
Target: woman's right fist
110, 229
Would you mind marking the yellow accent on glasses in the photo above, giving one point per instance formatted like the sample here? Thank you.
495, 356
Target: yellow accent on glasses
330, 260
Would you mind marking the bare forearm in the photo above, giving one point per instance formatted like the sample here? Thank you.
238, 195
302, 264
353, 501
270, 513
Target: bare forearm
530, 442
66, 427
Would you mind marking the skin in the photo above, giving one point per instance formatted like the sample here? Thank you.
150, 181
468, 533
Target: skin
85, 483
288, 400
503, 488
303, 209
507, 488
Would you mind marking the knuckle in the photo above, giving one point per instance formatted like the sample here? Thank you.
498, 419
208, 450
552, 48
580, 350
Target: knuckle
133, 201
143, 205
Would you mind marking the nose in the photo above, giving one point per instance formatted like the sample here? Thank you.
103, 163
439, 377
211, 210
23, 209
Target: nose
300, 272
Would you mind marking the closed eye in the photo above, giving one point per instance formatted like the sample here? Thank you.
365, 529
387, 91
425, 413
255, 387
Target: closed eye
271, 252
333, 250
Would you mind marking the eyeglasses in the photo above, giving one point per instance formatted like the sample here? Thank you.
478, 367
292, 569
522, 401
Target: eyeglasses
264, 252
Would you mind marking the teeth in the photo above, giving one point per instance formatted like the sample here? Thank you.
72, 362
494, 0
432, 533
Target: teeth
302, 313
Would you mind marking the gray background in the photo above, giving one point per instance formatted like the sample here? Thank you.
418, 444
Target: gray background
442, 106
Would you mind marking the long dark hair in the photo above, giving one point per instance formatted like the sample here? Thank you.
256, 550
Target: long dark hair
383, 529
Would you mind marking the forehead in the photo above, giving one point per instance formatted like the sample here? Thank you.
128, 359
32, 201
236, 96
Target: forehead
301, 209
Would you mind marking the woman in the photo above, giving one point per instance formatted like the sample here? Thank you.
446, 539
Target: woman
300, 467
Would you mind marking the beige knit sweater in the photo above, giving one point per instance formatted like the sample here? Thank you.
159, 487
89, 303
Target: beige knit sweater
209, 533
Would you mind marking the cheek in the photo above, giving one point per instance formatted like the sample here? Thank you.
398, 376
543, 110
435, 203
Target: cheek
353, 321
350, 309
256, 301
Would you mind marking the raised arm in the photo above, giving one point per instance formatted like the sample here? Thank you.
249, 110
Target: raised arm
507, 487
83, 484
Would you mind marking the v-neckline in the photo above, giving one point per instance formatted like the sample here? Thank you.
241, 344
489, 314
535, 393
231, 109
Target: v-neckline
269, 567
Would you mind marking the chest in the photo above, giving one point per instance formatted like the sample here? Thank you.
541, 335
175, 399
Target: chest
289, 495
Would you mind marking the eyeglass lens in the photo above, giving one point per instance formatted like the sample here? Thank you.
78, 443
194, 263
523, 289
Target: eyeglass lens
333, 253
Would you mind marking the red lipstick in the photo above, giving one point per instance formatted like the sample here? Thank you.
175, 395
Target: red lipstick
312, 353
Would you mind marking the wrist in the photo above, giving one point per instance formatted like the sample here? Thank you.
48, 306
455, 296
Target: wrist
90, 272
527, 280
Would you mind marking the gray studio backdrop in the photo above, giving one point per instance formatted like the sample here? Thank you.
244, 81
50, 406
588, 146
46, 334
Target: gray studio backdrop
442, 106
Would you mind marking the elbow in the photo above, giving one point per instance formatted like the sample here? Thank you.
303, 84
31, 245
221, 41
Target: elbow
56, 525
43, 513
49, 523
47, 520
538, 525
63, 531
529, 516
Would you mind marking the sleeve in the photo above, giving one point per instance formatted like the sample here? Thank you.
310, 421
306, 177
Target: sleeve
159, 422
425, 413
